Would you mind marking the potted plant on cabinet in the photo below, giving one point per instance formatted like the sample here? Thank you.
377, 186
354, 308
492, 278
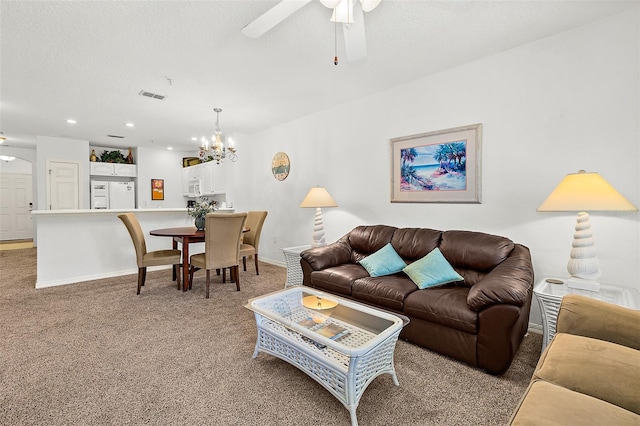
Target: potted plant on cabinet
114, 156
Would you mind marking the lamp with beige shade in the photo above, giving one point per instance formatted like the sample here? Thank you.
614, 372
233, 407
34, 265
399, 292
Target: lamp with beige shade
581, 192
317, 198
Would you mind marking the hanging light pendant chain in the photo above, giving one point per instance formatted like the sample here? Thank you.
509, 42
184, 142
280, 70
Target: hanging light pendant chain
335, 43
218, 111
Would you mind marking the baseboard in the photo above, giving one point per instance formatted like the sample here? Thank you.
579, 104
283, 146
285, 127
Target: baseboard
535, 328
53, 283
273, 262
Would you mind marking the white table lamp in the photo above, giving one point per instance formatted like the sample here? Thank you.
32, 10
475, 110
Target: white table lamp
318, 197
582, 192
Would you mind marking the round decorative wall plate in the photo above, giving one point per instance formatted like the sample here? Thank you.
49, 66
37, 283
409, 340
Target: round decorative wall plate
280, 166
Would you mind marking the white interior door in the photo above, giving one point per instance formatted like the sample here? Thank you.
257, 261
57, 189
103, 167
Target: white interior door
15, 207
63, 187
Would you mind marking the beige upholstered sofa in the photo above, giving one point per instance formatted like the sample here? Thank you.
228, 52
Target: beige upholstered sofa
590, 373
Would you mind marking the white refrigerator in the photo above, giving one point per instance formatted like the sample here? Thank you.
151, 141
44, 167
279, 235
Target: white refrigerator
113, 195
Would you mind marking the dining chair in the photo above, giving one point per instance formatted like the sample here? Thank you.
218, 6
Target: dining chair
221, 247
251, 239
144, 258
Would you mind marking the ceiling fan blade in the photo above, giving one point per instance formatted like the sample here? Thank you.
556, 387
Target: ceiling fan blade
355, 41
272, 17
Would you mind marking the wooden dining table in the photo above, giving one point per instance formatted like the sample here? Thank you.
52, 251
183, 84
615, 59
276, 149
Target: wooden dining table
184, 235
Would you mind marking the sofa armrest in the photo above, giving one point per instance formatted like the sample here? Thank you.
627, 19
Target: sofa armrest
511, 282
583, 316
319, 258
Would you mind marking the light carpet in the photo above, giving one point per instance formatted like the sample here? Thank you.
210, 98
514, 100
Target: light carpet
95, 353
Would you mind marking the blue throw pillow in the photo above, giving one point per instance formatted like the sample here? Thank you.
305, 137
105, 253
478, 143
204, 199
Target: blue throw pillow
432, 270
383, 262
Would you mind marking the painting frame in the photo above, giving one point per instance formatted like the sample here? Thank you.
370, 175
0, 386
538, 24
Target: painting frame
280, 166
157, 189
455, 178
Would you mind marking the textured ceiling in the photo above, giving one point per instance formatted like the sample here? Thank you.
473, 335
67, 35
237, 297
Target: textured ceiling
88, 60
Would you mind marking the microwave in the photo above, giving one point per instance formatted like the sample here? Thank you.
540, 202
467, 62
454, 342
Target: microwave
195, 188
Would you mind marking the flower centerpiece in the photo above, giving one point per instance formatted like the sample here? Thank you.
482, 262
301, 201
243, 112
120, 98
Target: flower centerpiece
200, 210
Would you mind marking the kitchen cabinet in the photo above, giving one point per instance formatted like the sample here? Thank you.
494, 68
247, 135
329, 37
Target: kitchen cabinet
113, 169
203, 180
186, 179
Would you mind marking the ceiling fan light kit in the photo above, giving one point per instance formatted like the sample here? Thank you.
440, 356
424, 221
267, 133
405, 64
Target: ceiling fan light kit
330, 3
344, 11
369, 5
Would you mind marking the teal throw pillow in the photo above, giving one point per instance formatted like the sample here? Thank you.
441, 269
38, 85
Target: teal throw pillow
383, 262
432, 270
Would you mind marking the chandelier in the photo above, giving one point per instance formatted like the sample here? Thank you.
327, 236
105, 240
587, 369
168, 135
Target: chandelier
217, 152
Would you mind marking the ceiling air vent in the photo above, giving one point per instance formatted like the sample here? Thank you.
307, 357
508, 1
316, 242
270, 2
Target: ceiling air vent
151, 95
115, 136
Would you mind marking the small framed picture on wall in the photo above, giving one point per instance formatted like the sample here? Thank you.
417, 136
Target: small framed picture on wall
157, 189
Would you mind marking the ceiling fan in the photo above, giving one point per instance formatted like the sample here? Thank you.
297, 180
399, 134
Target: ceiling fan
349, 12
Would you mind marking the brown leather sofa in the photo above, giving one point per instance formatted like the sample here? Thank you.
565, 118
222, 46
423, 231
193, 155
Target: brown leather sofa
480, 321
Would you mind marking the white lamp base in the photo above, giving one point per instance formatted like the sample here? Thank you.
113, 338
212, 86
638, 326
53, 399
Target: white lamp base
580, 284
318, 230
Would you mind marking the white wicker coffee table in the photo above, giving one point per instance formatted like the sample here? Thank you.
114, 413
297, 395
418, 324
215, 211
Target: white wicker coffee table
361, 349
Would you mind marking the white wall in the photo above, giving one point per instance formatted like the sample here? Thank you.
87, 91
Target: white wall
61, 149
160, 164
548, 108
96, 244
152, 164
16, 166
23, 156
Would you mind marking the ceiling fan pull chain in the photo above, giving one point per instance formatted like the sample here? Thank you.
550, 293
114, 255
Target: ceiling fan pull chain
335, 43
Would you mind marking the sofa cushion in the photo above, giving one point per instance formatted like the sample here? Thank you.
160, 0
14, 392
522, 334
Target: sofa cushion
547, 404
414, 243
474, 250
388, 292
365, 240
589, 365
338, 279
431, 271
383, 262
584, 316
446, 305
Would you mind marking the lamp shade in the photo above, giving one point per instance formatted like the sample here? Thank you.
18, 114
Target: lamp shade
584, 191
318, 197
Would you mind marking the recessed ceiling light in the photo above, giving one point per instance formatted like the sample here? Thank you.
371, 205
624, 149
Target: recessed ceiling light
194, 138
170, 148
129, 124
71, 121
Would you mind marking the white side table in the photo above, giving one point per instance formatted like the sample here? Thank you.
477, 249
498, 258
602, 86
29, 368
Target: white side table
550, 295
292, 260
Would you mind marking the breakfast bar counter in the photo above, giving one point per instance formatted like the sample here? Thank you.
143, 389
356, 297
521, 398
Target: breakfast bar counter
84, 245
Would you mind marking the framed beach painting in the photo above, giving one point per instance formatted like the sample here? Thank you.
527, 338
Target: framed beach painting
437, 167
